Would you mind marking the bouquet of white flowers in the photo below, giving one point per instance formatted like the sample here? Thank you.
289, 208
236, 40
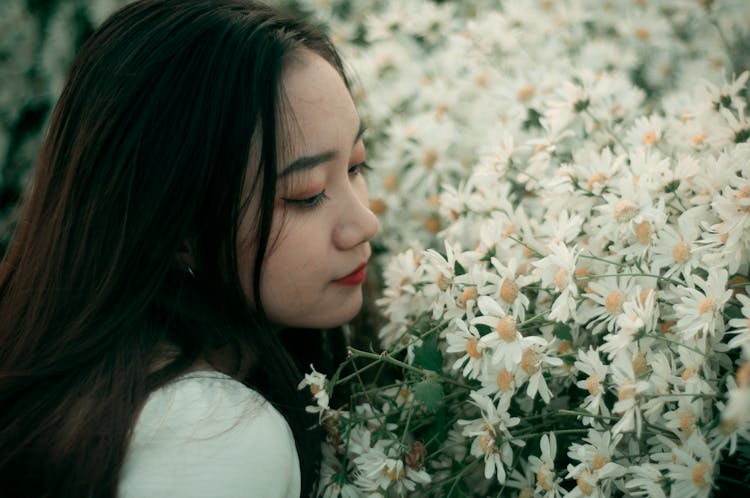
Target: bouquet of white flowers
572, 314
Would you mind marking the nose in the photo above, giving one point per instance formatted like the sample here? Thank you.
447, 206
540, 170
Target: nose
356, 223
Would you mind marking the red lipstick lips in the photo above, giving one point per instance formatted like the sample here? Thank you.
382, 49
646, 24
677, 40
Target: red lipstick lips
354, 278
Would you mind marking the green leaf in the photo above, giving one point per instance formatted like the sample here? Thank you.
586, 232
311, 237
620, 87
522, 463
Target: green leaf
429, 392
483, 329
562, 332
458, 269
428, 356
672, 186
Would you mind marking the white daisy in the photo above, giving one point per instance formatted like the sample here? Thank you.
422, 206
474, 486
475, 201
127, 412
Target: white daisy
589, 363
701, 305
464, 340
491, 435
558, 270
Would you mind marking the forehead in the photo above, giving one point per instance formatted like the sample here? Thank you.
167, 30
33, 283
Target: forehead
317, 110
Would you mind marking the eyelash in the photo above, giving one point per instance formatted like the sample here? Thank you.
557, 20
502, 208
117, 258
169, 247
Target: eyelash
318, 199
360, 168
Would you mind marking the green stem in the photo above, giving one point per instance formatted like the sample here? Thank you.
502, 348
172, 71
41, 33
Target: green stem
526, 323
607, 129
677, 343
406, 426
367, 396
534, 252
597, 258
387, 358
556, 432
657, 277
355, 374
460, 475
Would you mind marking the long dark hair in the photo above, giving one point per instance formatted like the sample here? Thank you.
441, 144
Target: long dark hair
146, 149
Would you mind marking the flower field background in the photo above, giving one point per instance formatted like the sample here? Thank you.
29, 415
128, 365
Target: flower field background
564, 189
564, 192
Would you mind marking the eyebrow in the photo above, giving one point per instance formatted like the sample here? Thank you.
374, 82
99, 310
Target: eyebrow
309, 162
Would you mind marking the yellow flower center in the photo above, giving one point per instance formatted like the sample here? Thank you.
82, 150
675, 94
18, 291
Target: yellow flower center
626, 391
698, 474
613, 302
525, 93
542, 478
625, 210
592, 384
643, 233
666, 326
743, 373
506, 328
564, 347
509, 290
487, 443
504, 380
743, 199
649, 138
315, 389
429, 158
582, 272
442, 281
681, 252
707, 305
689, 372
600, 461
728, 426
439, 112
377, 206
586, 487
640, 365
642, 34
596, 178
562, 279
530, 361
699, 138
687, 422
471, 347
737, 284
391, 182
394, 473
432, 224
469, 294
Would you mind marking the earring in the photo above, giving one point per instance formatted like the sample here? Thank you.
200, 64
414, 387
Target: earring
190, 270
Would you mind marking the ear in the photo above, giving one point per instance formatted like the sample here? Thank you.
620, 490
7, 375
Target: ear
185, 254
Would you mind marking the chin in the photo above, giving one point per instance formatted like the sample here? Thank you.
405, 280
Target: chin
335, 317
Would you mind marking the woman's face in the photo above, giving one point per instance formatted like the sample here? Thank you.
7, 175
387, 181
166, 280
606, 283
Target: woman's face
319, 241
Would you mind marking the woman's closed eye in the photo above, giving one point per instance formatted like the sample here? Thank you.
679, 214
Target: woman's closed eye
359, 168
319, 198
309, 202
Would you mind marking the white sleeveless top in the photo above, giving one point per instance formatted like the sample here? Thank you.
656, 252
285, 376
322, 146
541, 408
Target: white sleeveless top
208, 435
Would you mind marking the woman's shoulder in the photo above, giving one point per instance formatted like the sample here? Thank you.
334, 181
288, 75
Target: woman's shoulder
205, 434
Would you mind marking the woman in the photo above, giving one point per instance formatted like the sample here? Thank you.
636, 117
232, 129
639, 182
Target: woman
200, 187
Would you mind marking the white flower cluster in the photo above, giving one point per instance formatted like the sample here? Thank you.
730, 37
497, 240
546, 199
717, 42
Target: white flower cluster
574, 178
447, 86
